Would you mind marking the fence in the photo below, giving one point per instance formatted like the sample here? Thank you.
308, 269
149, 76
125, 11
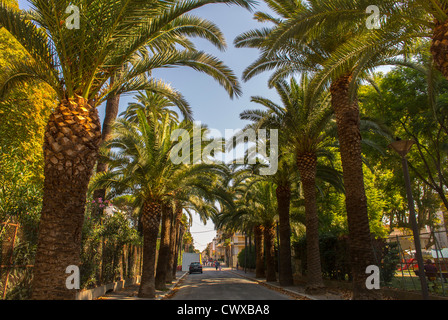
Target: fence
8, 234
435, 249
394, 255
104, 260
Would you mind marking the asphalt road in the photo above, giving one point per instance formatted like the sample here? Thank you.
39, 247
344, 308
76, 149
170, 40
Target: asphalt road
223, 285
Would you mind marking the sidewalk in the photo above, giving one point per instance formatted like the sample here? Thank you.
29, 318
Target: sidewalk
131, 292
297, 291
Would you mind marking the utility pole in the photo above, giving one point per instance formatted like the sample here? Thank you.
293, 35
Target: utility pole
402, 147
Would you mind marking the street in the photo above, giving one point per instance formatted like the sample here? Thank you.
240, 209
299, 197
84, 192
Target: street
223, 285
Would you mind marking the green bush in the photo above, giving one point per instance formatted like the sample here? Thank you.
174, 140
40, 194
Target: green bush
335, 258
20, 203
389, 253
250, 258
103, 242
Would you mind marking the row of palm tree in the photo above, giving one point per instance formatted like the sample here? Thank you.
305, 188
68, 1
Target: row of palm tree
302, 124
329, 41
306, 134
254, 211
138, 155
307, 50
258, 201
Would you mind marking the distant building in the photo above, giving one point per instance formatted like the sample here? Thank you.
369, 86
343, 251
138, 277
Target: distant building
237, 244
440, 231
226, 247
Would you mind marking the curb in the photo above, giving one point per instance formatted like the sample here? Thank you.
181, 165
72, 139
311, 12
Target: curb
287, 291
171, 288
92, 294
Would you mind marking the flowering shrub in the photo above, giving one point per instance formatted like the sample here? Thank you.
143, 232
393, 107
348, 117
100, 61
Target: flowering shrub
99, 203
106, 238
20, 203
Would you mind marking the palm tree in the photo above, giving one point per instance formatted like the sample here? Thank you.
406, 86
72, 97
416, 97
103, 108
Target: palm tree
143, 150
284, 179
164, 247
162, 53
155, 105
199, 196
234, 217
143, 167
401, 25
259, 201
174, 234
303, 39
438, 11
302, 123
254, 207
77, 64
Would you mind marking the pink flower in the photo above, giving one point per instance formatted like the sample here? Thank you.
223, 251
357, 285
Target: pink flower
93, 201
100, 200
102, 205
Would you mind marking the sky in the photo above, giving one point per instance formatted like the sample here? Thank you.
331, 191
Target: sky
209, 101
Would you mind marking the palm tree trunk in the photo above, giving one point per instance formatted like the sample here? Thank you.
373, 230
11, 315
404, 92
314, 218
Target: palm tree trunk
112, 106
164, 249
111, 113
150, 220
259, 261
306, 164
70, 148
175, 223
269, 236
347, 120
439, 47
171, 254
180, 234
283, 193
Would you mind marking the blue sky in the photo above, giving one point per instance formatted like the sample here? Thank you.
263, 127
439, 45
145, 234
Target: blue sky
210, 102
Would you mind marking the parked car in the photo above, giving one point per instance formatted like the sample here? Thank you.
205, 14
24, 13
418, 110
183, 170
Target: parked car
195, 267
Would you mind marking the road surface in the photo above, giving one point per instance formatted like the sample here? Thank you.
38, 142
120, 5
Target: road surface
223, 285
